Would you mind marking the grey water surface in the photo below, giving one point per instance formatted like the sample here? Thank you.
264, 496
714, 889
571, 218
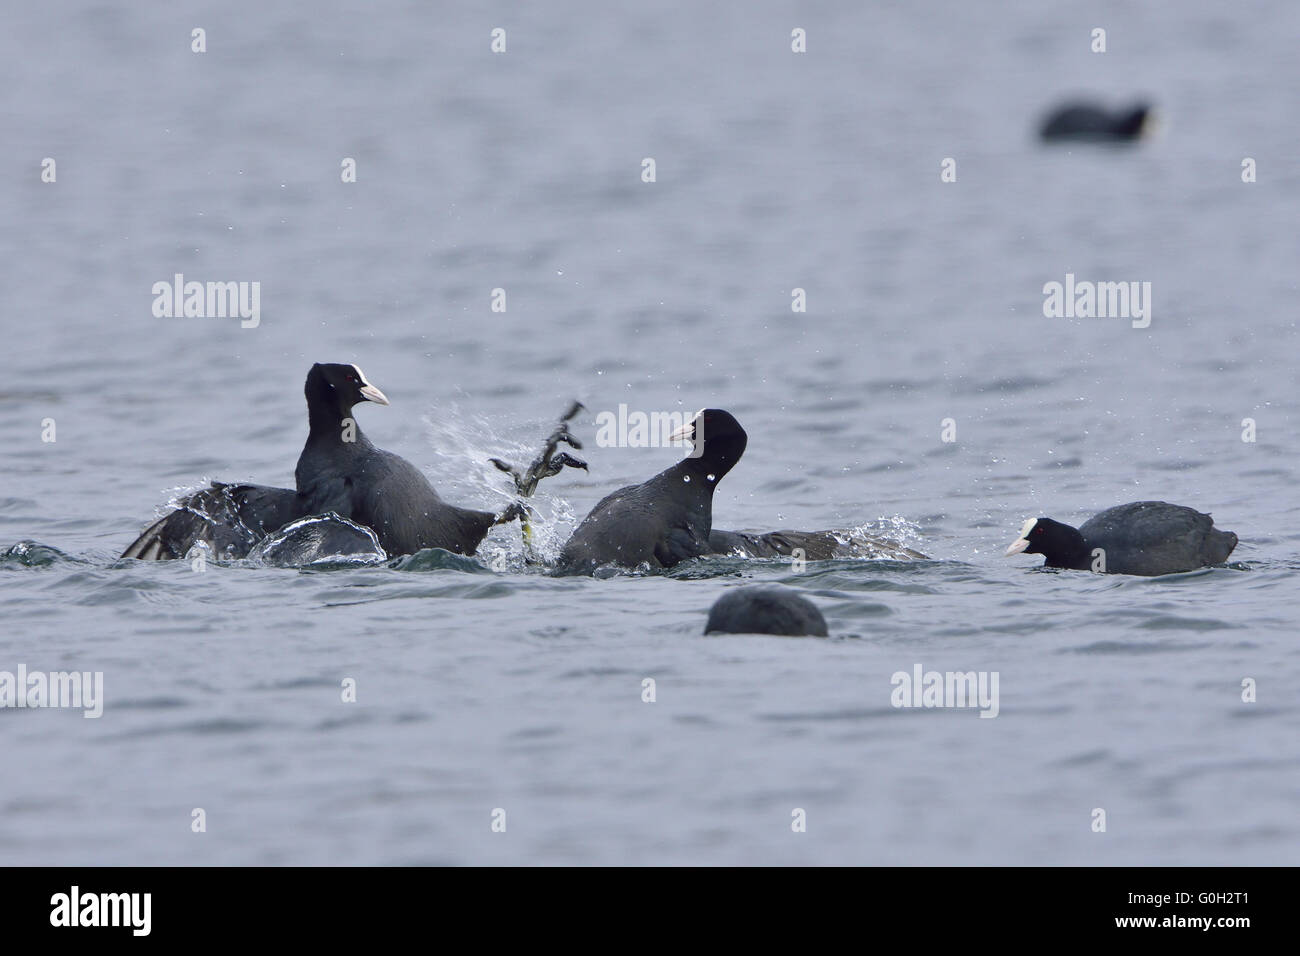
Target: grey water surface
485, 684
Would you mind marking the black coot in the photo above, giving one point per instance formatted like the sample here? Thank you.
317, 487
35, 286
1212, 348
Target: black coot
667, 519
1087, 122
765, 609
339, 472
1145, 538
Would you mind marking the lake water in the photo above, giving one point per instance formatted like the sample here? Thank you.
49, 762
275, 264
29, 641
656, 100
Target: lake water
481, 690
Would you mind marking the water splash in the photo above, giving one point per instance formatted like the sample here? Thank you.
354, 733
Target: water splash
321, 539
892, 528
464, 444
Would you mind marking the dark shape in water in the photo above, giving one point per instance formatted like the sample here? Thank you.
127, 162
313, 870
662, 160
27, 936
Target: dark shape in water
765, 609
1087, 122
1146, 538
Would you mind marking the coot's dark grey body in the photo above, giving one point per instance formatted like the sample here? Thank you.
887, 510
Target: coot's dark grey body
1145, 538
765, 609
666, 520
339, 471
1087, 122
386, 493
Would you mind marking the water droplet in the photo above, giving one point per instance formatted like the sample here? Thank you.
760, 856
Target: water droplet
686, 477
713, 477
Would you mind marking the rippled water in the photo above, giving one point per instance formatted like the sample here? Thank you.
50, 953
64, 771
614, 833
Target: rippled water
480, 689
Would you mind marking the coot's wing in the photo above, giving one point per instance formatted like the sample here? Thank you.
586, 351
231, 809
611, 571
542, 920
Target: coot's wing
1155, 537
230, 519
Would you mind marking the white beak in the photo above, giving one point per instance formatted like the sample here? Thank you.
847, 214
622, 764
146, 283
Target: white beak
369, 391
689, 431
1021, 542
373, 394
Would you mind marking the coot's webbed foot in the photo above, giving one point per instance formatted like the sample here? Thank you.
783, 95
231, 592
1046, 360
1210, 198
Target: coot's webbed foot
558, 463
550, 461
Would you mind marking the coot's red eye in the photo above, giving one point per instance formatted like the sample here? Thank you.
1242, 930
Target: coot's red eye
351, 379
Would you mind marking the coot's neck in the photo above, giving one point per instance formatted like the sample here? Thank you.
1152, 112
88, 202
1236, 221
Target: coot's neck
700, 476
324, 416
1069, 550
327, 424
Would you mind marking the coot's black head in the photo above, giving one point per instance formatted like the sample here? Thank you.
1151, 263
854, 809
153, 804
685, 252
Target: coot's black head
718, 441
1059, 543
332, 390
